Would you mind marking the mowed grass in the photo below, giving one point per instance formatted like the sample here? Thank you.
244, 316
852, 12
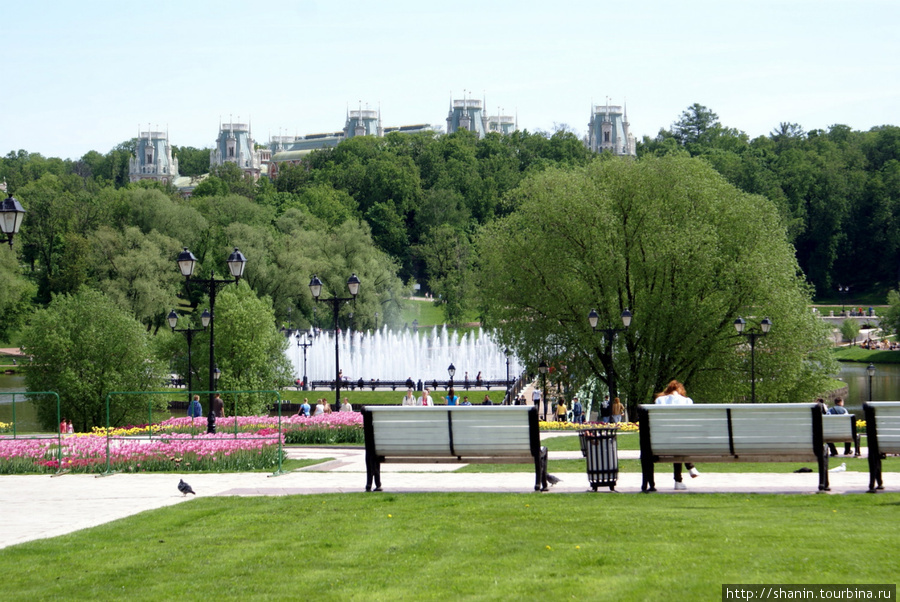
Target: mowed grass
452, 546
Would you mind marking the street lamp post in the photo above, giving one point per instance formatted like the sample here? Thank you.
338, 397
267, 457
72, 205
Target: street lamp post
186, 263
543, 368
451, 370
843, 290
764, 328
315, 287
306, 344
508, 400
610, 336
189, 333
870, 371
11, 215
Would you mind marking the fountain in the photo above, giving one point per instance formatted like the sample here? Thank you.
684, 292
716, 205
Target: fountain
390, 355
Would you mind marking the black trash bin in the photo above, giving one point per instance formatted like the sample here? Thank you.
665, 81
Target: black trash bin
600, 448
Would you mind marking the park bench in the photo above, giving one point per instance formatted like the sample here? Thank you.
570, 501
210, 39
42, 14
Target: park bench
882, 435
840, 428
454, 434
764, 432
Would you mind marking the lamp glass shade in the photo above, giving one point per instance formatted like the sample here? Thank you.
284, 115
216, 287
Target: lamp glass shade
205, 318
11, 215
315, 287
543, 367
593, 317
353, 285
172, 319
626, 318
216, 373
739, 325
186, 263
870, 369
236, 263
451, 370
765, 325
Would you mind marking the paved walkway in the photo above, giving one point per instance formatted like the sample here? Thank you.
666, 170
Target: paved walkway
35, 507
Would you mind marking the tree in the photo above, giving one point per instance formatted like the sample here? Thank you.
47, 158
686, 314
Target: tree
249, 348
15, 293
673, 242
447, 253
83, 347
850, 330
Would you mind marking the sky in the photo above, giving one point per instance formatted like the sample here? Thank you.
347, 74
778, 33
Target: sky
89, 75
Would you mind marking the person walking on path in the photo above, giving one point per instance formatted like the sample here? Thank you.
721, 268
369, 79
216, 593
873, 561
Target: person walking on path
605, 410
536, 400
674, 394
617, 410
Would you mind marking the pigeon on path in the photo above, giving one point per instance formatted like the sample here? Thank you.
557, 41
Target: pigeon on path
552, 479
185, 488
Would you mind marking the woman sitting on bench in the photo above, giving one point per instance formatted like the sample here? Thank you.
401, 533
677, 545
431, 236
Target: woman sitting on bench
674, 394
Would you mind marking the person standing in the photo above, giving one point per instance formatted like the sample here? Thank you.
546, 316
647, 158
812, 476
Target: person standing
839, 410
617, 410
426, 400
218, 406
674, 394
409, 399
577, 411
194, 409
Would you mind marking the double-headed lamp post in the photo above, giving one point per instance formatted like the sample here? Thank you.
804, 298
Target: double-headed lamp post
11, 215
610, 335
315, 287
764, 328
305, 343
205, 318
186, 263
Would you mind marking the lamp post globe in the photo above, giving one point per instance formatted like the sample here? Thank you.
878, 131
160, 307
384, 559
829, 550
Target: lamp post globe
11, 216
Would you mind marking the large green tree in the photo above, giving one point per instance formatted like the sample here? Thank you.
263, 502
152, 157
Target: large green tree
85, 346
673, 242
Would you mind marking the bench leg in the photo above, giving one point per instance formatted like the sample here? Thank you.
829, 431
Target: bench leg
540, 471
373, 472
875, 481
648, 482
823, 469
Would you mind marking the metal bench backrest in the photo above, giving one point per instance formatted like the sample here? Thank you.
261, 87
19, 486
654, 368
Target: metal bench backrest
731, 429
838, 427
454, 431
883, 419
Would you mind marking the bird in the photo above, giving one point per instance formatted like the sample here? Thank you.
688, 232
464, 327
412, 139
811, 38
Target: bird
552, 479
185, 488
840, 468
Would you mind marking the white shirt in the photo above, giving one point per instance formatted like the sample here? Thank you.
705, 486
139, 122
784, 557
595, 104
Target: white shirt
674, 399
535, 395
425, 400
409, 400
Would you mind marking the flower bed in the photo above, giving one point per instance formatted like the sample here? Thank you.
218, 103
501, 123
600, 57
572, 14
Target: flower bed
175, 452
625, 427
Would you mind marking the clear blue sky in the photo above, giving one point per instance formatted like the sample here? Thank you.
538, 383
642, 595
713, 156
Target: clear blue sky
81, 76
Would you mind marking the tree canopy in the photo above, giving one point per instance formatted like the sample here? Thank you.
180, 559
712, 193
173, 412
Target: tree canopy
673, 242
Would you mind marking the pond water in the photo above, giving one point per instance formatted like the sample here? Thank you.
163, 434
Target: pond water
26, 413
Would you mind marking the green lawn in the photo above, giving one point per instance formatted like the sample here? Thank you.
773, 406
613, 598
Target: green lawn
858, 354
428, 314
464, 546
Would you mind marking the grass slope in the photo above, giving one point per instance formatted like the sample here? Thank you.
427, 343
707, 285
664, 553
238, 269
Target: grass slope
450, 546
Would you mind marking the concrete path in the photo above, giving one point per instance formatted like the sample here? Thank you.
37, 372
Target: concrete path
35, 507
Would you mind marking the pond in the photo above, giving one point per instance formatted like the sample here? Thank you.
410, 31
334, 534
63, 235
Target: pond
26, 413
885, 384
